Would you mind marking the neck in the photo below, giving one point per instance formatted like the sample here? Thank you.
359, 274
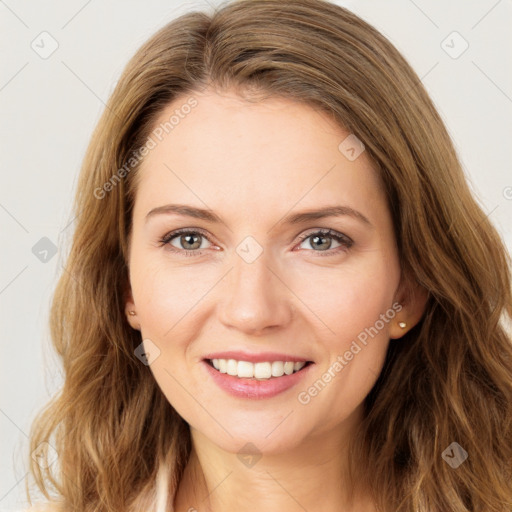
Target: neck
310, 477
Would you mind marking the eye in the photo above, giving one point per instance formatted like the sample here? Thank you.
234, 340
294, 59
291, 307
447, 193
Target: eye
322, 240
190, 242
185, 241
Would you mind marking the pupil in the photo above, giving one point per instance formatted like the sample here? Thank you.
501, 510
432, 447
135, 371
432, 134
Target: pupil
185, 239
317, 238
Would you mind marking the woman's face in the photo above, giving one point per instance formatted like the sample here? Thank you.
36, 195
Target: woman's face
249, 278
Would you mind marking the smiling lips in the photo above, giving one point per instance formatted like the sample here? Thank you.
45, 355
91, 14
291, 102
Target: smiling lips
256, 376
248, 375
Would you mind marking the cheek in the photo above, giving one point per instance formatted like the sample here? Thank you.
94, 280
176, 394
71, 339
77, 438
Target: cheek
348, 299
165, 295
355, 309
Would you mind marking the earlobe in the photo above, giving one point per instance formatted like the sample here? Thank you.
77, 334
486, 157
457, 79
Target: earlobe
130, 310
132, 320
414, 301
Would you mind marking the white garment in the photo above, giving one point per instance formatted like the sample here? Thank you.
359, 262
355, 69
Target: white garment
162, 487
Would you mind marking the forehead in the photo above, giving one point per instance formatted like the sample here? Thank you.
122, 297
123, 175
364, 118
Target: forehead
229, 153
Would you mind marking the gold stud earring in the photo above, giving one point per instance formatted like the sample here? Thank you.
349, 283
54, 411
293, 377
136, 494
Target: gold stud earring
132, 313
402, 325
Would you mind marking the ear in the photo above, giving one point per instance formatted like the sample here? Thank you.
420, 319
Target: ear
130, 309
413, 299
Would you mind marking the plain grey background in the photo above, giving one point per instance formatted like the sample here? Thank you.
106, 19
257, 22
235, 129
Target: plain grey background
50, 103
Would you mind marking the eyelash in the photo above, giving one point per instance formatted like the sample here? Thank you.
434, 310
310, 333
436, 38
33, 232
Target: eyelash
345, 241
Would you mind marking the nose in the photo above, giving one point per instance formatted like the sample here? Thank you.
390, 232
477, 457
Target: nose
255, 299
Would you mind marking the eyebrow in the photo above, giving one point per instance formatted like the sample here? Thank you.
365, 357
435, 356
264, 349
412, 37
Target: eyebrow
293, 218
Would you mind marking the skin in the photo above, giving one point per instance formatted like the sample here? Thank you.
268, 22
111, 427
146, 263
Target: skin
253, 164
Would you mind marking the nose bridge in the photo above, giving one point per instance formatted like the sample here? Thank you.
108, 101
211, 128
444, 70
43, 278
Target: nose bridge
255, 298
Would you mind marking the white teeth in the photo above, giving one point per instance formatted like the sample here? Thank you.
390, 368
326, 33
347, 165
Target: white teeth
277, 369
263, 371
245, 369
232, 367
288, 367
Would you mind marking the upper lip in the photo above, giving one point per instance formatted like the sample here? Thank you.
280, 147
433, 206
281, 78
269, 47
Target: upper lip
259, 357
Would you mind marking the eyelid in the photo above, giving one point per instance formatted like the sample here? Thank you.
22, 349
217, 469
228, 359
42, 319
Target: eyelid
325, 231
172, 234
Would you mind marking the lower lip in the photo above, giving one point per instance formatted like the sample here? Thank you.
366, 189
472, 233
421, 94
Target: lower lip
253, 388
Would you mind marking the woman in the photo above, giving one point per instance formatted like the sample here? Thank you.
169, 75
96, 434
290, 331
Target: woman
281, 294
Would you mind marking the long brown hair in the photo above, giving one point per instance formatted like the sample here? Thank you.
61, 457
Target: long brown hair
449, 380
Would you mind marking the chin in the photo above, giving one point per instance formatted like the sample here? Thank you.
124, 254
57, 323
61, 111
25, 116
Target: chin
263, 432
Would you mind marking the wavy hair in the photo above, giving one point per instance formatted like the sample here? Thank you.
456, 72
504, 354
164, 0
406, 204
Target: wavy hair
448, 380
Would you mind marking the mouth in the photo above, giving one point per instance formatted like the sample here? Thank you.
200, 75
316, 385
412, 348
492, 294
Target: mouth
262, 370
249, 375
